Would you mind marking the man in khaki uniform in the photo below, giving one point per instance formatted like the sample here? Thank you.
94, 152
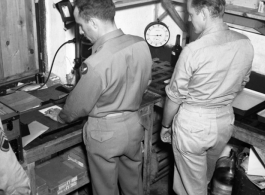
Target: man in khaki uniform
114, 79
13, 179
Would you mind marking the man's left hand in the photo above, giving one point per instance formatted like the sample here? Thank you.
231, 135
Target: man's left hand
165, 135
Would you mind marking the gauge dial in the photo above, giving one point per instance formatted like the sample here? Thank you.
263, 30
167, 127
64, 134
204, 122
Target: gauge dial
157, 34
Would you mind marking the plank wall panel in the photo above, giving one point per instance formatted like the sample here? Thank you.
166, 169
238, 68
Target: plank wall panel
7, 33
18, 39
31, 35
21, 31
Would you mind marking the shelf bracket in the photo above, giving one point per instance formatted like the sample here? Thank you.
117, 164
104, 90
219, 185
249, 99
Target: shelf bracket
174, 14
162, 16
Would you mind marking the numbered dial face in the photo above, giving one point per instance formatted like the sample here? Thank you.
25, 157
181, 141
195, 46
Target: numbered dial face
157, 34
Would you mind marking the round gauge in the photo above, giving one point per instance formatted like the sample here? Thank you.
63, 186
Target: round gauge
156, 34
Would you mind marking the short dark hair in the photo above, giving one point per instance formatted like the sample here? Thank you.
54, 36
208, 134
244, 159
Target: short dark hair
101, 9
216, 7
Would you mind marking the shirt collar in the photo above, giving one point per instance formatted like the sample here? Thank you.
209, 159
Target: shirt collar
105, 38
214, 28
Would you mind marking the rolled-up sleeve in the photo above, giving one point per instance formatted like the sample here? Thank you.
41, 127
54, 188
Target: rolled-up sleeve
177, 90
83, 98
246, 78
248, 58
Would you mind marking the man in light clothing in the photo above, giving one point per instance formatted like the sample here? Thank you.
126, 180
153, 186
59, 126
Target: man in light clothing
208, 75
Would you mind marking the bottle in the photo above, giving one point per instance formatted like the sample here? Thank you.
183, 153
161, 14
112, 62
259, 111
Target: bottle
41, 77
175, 51
187, 40
223, 177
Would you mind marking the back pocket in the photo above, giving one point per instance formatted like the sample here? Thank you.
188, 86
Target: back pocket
101, 136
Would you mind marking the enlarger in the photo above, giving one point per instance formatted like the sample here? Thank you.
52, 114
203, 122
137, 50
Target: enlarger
17, 110
27, 88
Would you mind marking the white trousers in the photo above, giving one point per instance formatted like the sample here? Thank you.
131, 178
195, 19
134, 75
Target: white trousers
199, 137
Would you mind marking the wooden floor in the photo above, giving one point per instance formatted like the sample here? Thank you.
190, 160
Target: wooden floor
161, 187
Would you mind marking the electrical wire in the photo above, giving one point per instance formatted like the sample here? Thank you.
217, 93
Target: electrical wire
21, 87
17, 89
70, 41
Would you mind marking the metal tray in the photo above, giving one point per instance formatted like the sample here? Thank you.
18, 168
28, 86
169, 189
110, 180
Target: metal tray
261, 116
248, 102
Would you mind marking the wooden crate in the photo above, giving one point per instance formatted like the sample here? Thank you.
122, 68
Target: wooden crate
161, 72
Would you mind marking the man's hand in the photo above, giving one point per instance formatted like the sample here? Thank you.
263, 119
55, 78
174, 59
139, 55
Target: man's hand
53, 114
165, 135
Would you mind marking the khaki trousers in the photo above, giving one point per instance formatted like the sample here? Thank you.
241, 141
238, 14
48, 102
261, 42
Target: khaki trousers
199, 137
114, 154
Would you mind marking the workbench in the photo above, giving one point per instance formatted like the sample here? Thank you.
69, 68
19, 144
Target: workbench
46, 146
61, 140
246, 134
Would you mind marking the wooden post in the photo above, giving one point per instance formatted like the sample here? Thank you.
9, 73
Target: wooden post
32, 179
148, 152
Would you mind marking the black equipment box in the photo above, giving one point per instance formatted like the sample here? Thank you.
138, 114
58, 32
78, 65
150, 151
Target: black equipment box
242, 184
11, 124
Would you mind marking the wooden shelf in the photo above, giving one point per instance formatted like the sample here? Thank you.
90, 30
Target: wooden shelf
179, 1
245, 12
242, 16
230, 9
132, 3
239, 11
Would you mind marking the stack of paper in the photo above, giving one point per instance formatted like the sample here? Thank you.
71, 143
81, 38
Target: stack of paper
35, 129
256, 167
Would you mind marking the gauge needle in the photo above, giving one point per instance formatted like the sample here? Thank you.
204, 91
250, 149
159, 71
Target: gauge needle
155, 35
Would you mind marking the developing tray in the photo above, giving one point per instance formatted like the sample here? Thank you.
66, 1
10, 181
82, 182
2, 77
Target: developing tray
248, 102
261, 116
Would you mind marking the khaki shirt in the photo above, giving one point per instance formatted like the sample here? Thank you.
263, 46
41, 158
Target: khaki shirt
13, 179
213, 69
114, 79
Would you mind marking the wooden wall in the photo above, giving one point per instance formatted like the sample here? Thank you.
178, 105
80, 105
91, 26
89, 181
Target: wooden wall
18, 40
